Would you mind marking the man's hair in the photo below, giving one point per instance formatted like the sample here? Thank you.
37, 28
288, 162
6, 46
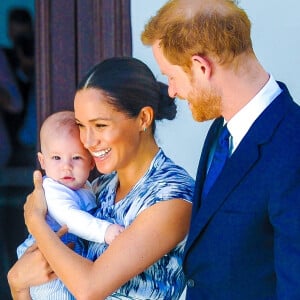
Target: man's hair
210, 28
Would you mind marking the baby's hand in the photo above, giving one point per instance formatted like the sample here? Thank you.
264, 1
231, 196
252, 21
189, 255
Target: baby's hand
112, 232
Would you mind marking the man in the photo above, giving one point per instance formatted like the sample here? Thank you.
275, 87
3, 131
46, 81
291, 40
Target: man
244, 240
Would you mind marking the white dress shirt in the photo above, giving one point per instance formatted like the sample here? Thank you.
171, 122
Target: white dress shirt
241, 122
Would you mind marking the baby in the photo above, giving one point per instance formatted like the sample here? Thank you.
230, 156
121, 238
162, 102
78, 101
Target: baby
67, 165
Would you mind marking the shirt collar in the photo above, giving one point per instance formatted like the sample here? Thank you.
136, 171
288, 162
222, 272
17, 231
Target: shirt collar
241, 122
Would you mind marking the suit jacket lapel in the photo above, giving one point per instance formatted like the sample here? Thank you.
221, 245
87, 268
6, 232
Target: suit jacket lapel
231, 175
236, 168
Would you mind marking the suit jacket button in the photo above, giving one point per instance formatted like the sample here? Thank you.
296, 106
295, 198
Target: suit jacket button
190, 283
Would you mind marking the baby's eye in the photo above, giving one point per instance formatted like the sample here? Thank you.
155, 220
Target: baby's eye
56, 157
77, 157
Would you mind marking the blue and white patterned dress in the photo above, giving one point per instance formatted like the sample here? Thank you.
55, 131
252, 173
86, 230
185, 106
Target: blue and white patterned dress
163, 181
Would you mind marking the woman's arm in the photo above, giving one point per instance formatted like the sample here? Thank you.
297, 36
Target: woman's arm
154, 233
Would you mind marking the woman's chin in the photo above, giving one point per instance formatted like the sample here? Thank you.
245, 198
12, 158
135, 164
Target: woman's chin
102, 167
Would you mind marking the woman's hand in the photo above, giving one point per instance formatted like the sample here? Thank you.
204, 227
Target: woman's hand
35, 206
31, 269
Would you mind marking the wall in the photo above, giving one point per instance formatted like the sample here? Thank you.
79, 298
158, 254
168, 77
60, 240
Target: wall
276, 40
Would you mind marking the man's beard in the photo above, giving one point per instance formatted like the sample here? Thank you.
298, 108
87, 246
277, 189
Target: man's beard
205, 104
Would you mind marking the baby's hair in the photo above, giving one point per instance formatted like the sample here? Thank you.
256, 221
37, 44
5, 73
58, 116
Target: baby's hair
58, 123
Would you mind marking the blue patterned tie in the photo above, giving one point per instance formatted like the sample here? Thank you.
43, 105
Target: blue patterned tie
218, 161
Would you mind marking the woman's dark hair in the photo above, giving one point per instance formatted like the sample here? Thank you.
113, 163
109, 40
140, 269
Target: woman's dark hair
130, 85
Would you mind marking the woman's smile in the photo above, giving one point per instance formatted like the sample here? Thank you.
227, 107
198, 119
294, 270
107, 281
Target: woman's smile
100, 153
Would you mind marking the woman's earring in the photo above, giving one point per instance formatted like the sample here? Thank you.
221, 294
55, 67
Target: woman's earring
145, 128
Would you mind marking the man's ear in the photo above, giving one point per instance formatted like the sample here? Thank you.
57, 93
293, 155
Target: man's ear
201, 65
41, 160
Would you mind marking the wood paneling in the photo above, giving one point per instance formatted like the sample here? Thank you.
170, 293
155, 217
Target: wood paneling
71, 36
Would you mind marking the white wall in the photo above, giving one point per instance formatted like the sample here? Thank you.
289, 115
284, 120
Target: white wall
276, 40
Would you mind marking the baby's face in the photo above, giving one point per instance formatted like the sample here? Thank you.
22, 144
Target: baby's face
66, 161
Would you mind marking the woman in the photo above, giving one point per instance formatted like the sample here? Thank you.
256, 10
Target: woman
116, 106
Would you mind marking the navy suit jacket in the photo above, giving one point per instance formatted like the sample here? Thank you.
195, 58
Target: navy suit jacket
244, 239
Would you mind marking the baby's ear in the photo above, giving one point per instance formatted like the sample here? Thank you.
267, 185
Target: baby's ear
41, 160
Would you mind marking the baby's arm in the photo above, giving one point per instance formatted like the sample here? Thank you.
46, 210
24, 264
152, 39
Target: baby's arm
64, 207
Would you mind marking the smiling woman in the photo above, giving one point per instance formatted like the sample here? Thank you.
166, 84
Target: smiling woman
116, 106
109, 134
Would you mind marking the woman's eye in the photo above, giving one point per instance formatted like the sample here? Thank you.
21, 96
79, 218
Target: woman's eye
55, 157
79, 125
100, 125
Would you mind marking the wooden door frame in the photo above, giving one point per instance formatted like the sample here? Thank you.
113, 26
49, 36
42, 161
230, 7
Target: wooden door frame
71, 36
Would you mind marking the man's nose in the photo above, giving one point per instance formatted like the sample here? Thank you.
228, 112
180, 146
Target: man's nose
171, 91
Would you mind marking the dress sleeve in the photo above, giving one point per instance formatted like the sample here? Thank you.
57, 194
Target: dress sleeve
176, 185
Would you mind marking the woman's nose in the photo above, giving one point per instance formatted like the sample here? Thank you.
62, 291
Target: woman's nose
88, 139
